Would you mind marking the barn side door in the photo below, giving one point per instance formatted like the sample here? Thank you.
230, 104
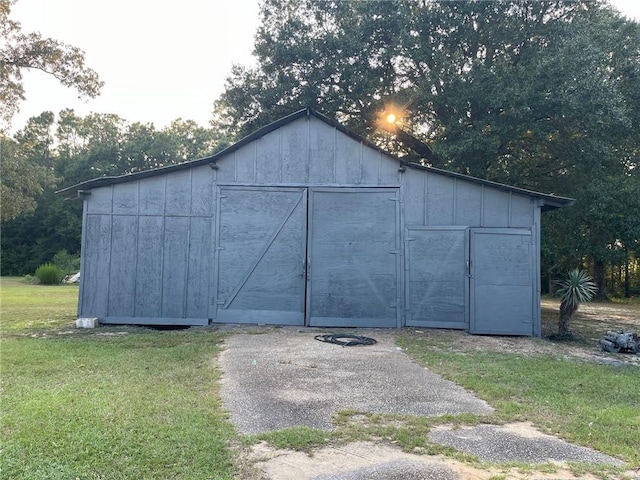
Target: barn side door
436, 280
260, 262
502, 276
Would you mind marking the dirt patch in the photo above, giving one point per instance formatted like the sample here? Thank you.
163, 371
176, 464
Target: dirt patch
591, 322
348, 460
461, 341
617, 314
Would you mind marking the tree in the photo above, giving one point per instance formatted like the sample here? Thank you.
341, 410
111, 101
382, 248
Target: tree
20, 51
575, 289
26, 167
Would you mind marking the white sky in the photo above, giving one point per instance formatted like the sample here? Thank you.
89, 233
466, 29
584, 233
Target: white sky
159, 60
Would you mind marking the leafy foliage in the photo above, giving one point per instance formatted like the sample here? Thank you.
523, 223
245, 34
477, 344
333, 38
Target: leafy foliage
49, 274
20, 51
26, 167
512, 91
576, 288
67, 262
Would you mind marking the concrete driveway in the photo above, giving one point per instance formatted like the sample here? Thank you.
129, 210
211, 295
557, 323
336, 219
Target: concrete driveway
275, 378
286, 378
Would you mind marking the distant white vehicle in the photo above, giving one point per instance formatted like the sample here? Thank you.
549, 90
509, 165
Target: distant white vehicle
75, 278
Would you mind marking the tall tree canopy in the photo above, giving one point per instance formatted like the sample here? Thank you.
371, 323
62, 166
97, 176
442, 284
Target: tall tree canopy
21, 51
539, 94
491, 84
24, 176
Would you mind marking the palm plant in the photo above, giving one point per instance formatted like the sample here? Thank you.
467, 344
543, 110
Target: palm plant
576, 288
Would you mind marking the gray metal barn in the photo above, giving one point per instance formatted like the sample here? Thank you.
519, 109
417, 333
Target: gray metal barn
306, 223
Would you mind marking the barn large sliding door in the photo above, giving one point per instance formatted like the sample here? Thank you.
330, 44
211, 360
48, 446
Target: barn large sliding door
316, 256
353, 252
261, 255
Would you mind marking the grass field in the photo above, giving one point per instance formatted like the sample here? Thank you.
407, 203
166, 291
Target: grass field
113, 403
137, 403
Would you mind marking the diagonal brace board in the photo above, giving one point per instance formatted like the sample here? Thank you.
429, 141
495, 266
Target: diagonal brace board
263, 252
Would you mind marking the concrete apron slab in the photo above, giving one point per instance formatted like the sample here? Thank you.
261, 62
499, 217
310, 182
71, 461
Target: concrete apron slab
285, 378
517, 442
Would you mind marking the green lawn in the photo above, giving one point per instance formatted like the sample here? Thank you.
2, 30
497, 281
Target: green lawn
112, 403
26, 307
137, 403
590, 404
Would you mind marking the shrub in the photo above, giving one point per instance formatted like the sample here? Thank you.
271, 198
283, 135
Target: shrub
67, 262
49, 274
576, 288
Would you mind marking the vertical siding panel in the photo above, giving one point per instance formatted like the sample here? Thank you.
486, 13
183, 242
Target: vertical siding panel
122, 274
294, 152
245, 158
413, 197
370, 163
149, 267
268, 168
389, 174
321, 152
347, 164
83, 244
425, 188
496, 208
215, 271
468, 204
335, 156
200, 261
233, 166
178, 193
125, 198
152, 195
96, 258
174, 270
521, 211
361, 162
536, 252
440, 192
201, 190
101, 200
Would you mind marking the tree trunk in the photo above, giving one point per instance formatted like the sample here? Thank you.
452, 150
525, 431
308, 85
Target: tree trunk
598, 278
627, 289
566, 312
613, 278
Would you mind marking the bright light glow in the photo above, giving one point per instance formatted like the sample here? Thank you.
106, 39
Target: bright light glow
391, 118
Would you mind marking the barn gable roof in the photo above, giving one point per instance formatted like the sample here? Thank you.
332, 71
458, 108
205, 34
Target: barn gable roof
549, 202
